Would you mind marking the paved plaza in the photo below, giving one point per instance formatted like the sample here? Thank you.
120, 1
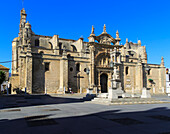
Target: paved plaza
70, 114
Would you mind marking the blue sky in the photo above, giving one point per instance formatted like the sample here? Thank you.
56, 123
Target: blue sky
147, 20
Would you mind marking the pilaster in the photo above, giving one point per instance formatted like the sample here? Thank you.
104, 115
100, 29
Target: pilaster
28, 75
139, 76
63, 74
92, 67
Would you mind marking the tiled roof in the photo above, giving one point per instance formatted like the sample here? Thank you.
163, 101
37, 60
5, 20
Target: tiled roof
3, 68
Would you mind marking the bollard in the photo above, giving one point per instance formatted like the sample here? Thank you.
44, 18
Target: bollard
80, 90
64, 90
154, 90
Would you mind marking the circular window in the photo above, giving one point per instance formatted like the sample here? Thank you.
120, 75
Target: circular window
85, 70
71, 69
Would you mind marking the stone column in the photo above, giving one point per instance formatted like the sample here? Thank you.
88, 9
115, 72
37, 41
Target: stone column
106, 62
92, 66
99, 86
162, 77
119, 57
63, 73
139, 76
115, 57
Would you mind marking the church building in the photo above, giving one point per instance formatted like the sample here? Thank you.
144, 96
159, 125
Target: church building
56, 65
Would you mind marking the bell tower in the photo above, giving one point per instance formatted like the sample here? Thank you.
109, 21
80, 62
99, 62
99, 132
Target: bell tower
22, 21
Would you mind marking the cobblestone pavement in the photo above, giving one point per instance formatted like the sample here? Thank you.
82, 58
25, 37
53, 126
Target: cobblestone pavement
69, 114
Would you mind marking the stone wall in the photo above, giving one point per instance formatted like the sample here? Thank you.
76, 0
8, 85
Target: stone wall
52, 77
38, 78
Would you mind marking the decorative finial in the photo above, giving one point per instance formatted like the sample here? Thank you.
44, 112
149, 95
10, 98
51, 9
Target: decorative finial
92, 30
81, 37
104, 29
117, 34
139, 42
162, 61
126, 40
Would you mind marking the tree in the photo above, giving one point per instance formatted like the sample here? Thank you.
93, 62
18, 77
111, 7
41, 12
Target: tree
2, 77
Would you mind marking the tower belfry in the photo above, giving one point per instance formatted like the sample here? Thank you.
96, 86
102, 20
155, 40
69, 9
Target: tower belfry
22, 21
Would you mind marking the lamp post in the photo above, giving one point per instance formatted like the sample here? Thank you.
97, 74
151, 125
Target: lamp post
88, 72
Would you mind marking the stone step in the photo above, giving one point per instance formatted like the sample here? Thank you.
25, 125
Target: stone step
103, 100
126, 101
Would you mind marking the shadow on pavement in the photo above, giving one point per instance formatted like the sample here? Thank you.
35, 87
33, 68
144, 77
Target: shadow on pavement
14, 101
107, 122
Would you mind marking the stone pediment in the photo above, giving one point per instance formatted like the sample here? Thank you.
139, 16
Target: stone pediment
105, 38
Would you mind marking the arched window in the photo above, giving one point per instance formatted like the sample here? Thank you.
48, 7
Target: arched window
85, 70
37, 42
104, 61
78, 67
127, 70
71, 69
127, 58
41, 52
60, 48
149, 72
73, 48
47, 66
50, 45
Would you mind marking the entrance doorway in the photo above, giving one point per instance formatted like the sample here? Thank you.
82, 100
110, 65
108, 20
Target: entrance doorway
103, 83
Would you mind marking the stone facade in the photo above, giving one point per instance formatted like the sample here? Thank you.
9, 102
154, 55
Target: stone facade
52, 64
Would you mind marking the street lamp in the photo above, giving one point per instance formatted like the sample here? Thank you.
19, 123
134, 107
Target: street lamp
147, 68
87, 71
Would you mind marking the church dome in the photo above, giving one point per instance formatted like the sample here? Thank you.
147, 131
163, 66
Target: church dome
28, 24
